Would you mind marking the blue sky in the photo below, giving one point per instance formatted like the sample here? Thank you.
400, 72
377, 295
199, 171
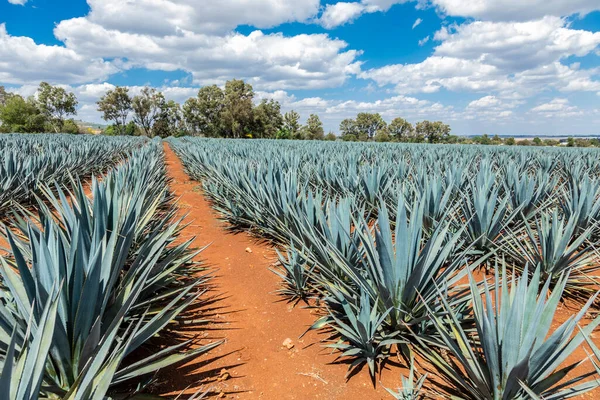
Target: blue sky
492, 66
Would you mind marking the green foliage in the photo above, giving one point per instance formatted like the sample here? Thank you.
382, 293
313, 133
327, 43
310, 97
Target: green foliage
513, 353
122, 281
115, 106
56, 104
432, 131
314, 128
22, 116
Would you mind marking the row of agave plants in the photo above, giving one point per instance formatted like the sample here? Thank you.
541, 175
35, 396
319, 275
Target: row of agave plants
27, 162
388, 253
95, 287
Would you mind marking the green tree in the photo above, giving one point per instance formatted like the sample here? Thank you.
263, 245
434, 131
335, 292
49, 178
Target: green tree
432, 131
238, 108
22, 116
56, 104
267, 119
147, 108
348, 127
382, 136
510, 141
169, 120
331, 137
291, 124
4, 96
401, 129
314, 128
369, 124
537, 141
203, 114
115, 106
570, 142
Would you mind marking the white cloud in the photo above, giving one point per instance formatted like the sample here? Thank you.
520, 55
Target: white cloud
268, 61
417, 23
424, 41
516, 46
22, 61
512, 59
491, 108
515, 10
18, 2
436, 73
558, 107
167, 17
341, 13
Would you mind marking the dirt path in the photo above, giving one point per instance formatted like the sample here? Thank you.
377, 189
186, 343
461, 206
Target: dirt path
255, 323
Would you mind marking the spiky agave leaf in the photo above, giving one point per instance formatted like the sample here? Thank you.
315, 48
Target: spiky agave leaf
117, 294
23, 363
556, 246
513, 347
412, 387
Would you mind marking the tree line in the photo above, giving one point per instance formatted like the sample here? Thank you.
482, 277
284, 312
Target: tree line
49, 111
229, 112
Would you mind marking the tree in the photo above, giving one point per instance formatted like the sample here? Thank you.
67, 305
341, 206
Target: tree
267, 119
432, 131
4, 96
382, 136
169, 120
331, 137
115, 106
56, 104
348, 127
22, 116
291, 124
510, 141
314, 128
400, 129
147, 107
237, 111
203, 114
369, 124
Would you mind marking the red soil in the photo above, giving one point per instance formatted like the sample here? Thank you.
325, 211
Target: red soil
254, 320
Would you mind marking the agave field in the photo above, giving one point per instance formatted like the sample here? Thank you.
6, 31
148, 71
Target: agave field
95, 281
452, 260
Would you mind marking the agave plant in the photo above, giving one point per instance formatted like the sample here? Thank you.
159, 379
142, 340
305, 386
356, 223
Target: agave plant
581, 201
295, 275
23, 364
118, 288
412, 387
361, 336
556, 247
485, 212
514, 353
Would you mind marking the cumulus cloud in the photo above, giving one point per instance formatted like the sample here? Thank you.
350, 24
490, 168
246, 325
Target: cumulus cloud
167, 17
341, 13
513, 59
558, 107
18, 2
516, 46
22, 61
515, 10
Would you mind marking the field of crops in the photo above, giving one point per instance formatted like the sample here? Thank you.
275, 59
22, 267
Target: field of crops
405, 249
474, 268
95, 280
